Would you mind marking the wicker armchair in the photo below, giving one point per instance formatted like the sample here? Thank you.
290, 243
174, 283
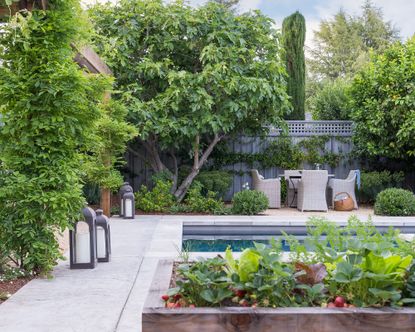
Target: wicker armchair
312, 191
347, 186
270, 187
292, 185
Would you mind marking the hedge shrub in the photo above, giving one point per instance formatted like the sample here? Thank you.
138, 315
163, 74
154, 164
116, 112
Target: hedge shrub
372, 183
395, 202
215, 181
249, 202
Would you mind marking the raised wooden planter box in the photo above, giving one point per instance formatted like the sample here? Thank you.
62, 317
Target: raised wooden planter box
156, 318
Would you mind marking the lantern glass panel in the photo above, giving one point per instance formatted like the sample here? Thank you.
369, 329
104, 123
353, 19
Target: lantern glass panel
101, 242
128, 208
82, 240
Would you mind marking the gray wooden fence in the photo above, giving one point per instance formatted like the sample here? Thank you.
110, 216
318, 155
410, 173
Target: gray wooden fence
338, 142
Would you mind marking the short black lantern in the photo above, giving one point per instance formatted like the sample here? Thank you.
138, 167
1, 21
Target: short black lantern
103, 237
82, 242
129, 205
124, 189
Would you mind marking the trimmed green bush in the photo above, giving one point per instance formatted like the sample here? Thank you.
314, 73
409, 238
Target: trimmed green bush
216, 181
159, 199
372, 183
395, 202
196, 202
249, 202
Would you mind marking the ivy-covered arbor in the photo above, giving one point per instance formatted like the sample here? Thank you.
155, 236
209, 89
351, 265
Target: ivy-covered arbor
51, 111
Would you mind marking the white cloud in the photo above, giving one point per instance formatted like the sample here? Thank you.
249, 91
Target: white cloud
246, 5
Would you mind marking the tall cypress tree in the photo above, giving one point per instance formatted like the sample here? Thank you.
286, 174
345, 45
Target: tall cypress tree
293, 37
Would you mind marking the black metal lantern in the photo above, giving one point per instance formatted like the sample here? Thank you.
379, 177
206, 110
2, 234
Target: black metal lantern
124, 189
82, 242
129, 205
103, 237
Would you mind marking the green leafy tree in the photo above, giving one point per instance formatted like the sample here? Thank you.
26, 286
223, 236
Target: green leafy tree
341, 44
383, 104
375, 33
106, 147
191, 76
331, 101
47, 104
293, 37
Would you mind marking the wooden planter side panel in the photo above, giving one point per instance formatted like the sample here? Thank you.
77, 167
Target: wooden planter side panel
156, 318
278, 320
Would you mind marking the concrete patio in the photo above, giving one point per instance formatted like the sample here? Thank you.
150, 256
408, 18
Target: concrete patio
110, 297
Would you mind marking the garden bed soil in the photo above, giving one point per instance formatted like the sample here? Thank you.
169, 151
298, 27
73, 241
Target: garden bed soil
11, 287
157, 318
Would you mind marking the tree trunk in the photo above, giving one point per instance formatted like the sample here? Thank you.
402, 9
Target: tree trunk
106, 201
198, 163
106, 160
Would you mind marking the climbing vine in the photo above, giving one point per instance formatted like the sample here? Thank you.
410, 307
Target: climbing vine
282, 153
48, 105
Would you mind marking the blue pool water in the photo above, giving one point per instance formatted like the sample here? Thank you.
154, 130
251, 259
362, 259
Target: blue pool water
220, 245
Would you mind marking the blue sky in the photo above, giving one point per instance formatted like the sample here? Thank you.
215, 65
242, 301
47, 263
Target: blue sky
400, 12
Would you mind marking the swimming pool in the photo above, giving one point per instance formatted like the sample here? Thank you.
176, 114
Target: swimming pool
220, 245
216, 237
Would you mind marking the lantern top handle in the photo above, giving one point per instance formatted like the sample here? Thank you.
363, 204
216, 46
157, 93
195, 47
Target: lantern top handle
89, 214
128, 194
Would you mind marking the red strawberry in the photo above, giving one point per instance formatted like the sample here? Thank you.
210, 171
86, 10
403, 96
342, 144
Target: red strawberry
177, 305
339, 302
177, 297
165, 297
240, 293
244, 303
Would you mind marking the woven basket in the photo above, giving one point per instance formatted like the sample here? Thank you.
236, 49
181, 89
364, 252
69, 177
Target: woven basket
344, 203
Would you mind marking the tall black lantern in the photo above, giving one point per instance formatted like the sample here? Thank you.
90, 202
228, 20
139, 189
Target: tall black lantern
82, 242
129, 205
124, 189
103, 237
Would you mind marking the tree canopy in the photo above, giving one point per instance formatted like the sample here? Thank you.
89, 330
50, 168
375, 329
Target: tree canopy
341, 45
383, 97
293, 38
191, 76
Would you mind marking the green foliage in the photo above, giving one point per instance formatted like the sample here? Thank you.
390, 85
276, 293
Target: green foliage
107, 144
47, 104
215, 181
159, 199
383, 102
372, 183
342, 44
190, 75
331, 101
293, 38
282, 153
92, 193
409, 290
197, 202
356, 262
395, 202
249, 202
194, 279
